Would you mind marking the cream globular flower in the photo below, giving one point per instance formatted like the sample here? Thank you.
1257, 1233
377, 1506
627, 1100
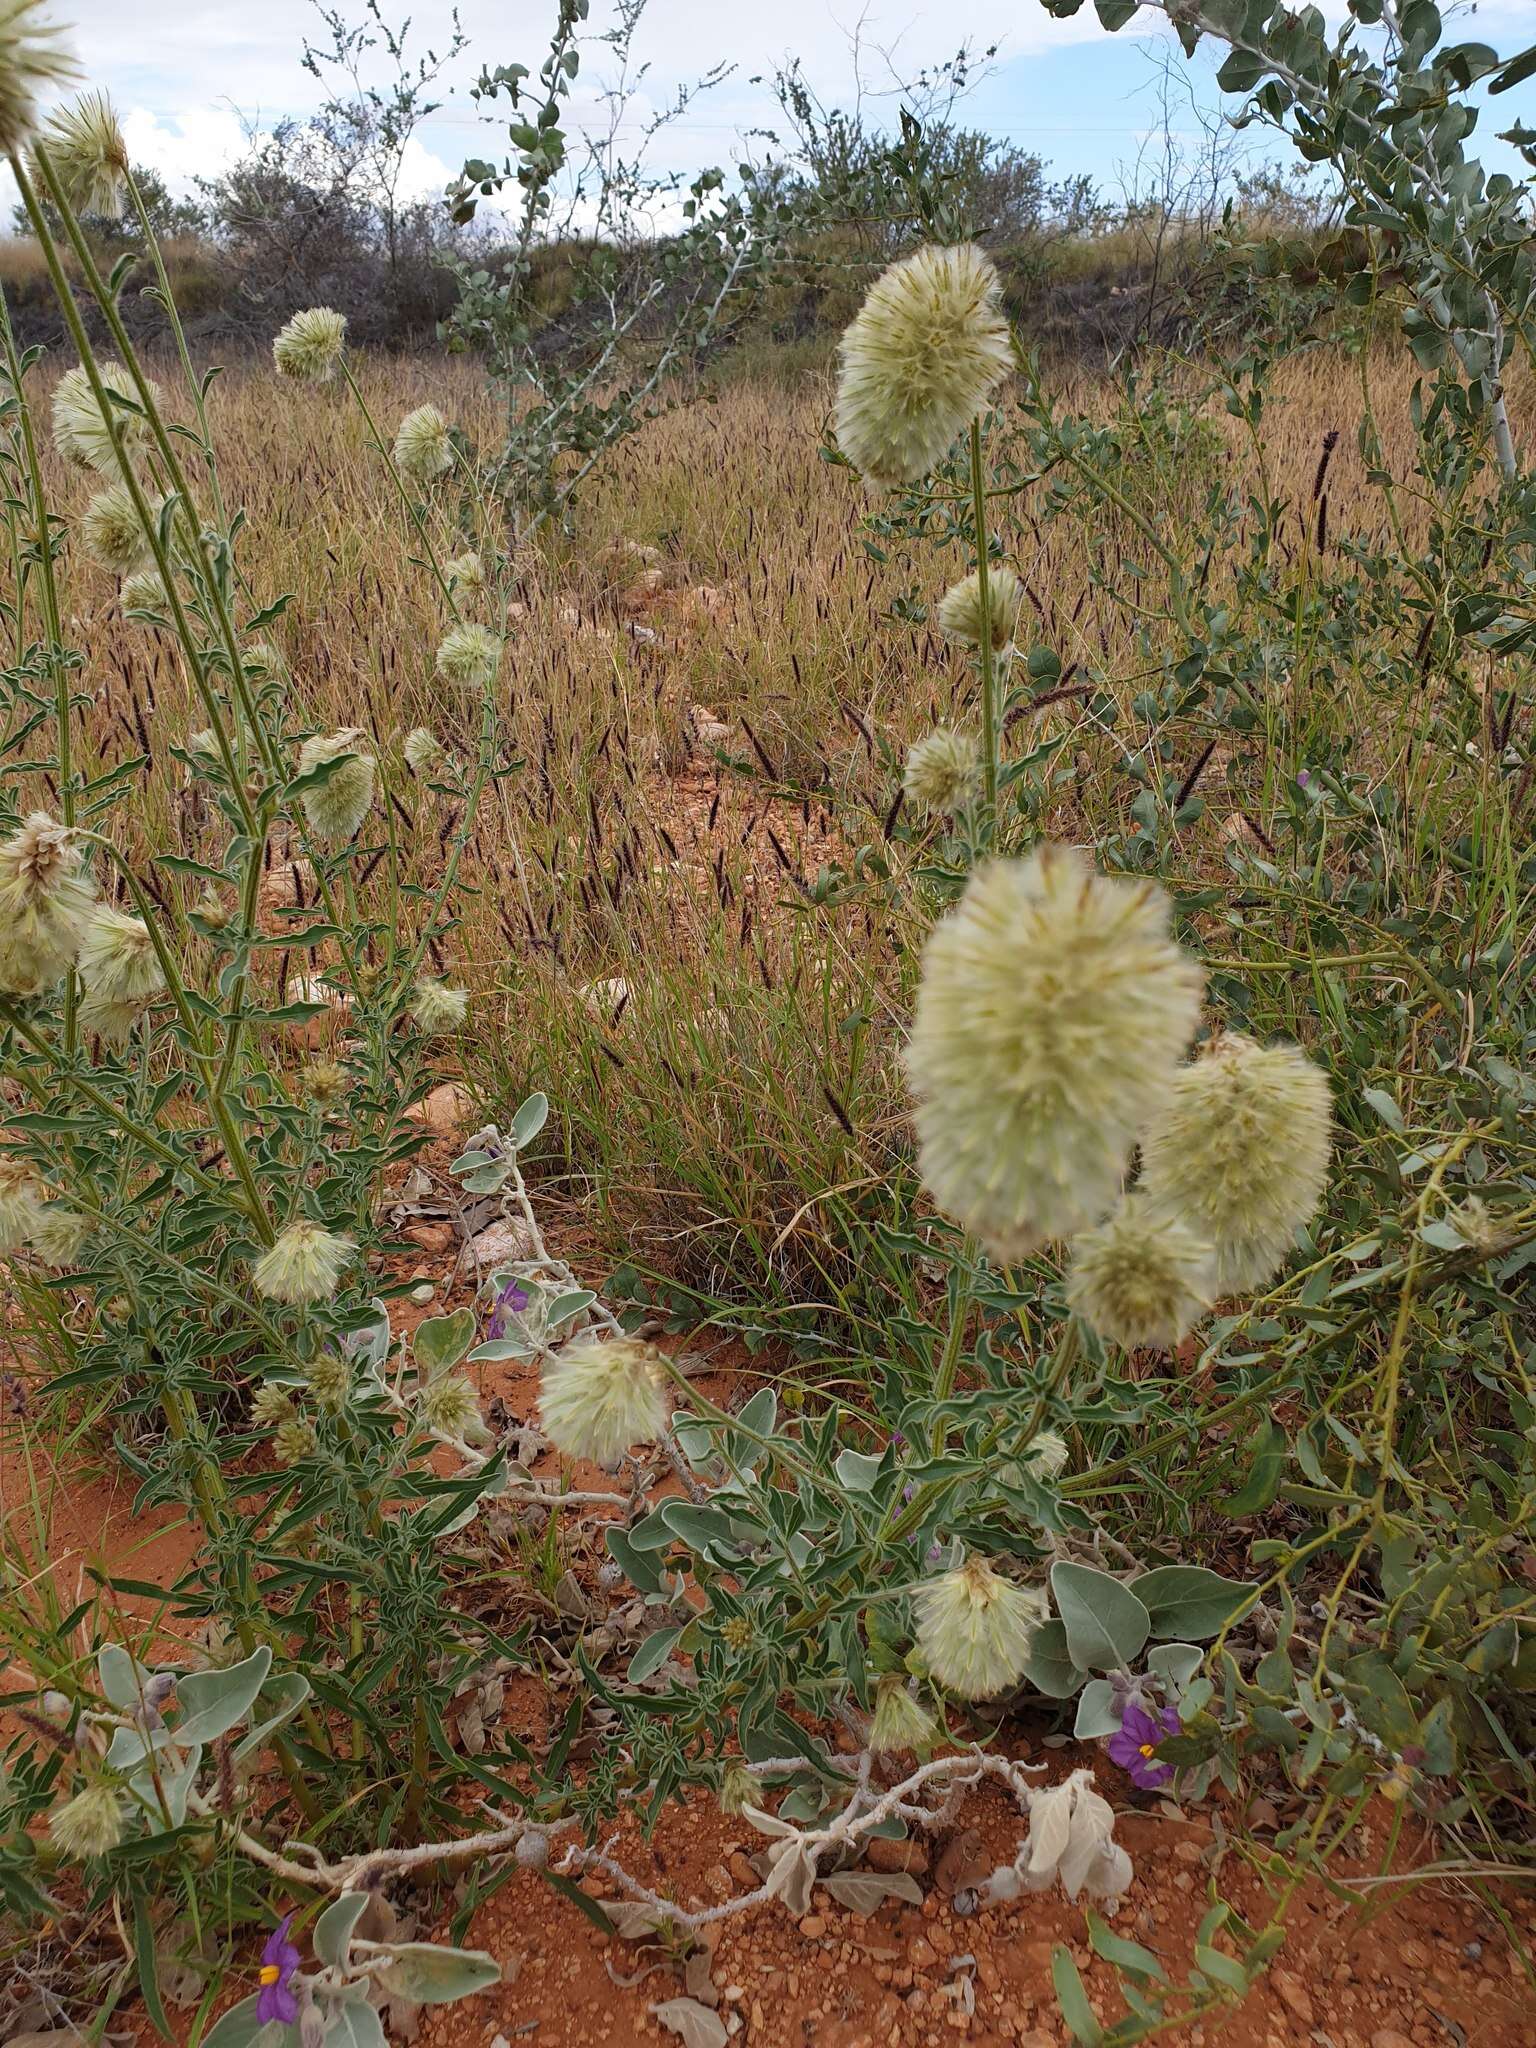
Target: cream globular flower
45, 901
1143, 1277
900, 1721
943, 771
437, 1008
959, 612
601, 1395
271, 1404
422, 750
89, 155
466, 573
83, 435
21, 1206
59, 1235
452, 1406
304, 1265
336, 807
974, 1628
423, 444
117, 961
90, 1824
33, 57
143, 591
469, 657
1053, 1008
293, 1439
113, 533
1240, 1149
308, 347
922, 357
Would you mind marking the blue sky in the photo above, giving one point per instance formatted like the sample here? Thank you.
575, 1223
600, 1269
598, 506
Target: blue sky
189, 75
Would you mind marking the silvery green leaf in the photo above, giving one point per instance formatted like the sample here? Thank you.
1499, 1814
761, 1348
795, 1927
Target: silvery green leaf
499, 1349
487, 1180
331, 1937
167, 1805
353, 2023
1097, 1713
213, 1701
441, 1341
240, 2028
857, 1470
1187, 1601
866, 1891
652, 1654
130, 1746
1048, 1662
1177, 1662
1106, 1623
281, 1698
529, 1121
122, 1678
760, 1413
694, 2024
564, 1306
429, 1975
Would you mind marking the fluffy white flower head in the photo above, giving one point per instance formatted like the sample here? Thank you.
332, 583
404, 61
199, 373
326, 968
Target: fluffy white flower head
1053, 1009
33, 57
960, 608
86, 148
1240, 1149
336, 807
305, 1264
117, 959
974, 1628
601, 1395
308, 348
469, 657
45, 901
112, 532
80, 433
423, 447
90, 1824
438, 1008
942, 772
1142, 1277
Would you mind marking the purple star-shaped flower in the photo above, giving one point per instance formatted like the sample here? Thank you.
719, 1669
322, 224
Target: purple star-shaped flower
512, 1300
1133, 1745
276, 2000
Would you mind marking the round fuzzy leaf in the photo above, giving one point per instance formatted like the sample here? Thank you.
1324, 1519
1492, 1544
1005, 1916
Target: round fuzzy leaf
239, 2028
1048, 1664
1097, 1714
1106, 1623
441, 1341
1186, 1600
331, 1935
213, 1701
429, 1975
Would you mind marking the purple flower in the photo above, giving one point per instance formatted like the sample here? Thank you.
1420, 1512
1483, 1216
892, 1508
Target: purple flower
1139, 1734
276, 1999
1302, 778
512, 1300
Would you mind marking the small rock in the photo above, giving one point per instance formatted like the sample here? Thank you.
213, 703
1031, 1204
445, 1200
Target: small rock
1389, 2037
742, 1871
423, 1294
1293, 1993
443, 1109
923, 1954
813, 1927
888, 1857
1187, 1852
499, 1244
432, 1237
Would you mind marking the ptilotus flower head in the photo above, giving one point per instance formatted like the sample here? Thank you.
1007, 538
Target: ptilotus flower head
423, 445
901, 1721
329, 1378
1047, 1455
943, 771
308, 348
59, 1235
305, 1264
293, 1440
88, 154
739, 1789
32, 57
271, 1404
265, 662
117, 959
960, 608
90, 1824
109, 1020
143, 591
469, 657
452, 1406
422, 750
1053, 1008
923, 356
466, 573
80, 432
112, 531
326, 1082
336, 807
1143, 1277
601, 1395
45, 901
438, 1008
1480, 1228
21, 1204
1240, 1149
974, 1628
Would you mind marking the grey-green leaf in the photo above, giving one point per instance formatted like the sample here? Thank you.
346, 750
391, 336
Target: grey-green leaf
239, 2027
1048, 1662
441, 1341
331, 1937
529, 1121
1106, 1623
1187, 1601
429, 1975
213, 1701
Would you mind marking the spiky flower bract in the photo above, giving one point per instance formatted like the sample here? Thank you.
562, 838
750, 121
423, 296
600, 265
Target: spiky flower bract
925, 352
308, 348
112, 531
33, 57
86, 148
326, 1082
422, 750
1047, 1455
974, 1628
80, 433
943, 771
143, 591
90, 1824
901, 1721
21, 1204
960, 608
271, 1404
336, 807
329, 1378
1240, 1148
470, 657
293, 1439
438, 1008
452, 1406
1142, 1277
45, 901
117, 959
466, 573
1053, 1009
266, 662
601, 1395
423, 444
102, 1017
58, 1235
305, 1264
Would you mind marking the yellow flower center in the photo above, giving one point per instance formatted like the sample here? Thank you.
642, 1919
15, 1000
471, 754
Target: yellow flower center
268, 1974
1147, 1749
